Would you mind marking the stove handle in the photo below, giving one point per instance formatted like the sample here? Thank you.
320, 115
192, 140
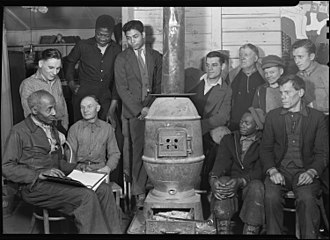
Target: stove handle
189, 139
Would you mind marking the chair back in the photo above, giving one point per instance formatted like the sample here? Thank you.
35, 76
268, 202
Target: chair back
67, 151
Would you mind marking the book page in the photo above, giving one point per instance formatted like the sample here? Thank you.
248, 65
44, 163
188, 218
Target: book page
89, 179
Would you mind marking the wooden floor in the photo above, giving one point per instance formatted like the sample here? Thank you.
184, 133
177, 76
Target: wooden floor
19, 222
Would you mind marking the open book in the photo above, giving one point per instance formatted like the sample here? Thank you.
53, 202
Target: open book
89, 179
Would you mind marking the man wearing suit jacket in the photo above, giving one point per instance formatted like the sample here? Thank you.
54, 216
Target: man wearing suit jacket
294, 153
138, 72
213, 102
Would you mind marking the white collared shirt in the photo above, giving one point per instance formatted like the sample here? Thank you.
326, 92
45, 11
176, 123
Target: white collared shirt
102, 49
208, 85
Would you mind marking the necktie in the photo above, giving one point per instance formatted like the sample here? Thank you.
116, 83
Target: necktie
141, 62
144, 74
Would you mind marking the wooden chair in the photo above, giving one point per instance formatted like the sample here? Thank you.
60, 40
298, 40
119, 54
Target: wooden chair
127, 195
44, 216
43, 213
290, 195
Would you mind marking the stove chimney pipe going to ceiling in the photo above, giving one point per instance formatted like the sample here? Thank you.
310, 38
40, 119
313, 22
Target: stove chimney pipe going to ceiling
173, 150
173, 50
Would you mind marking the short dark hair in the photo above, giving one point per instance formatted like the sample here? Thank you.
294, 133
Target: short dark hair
252, 47
51, 53
105, 21
297, 82
133, 24
222, 57
34, 98
306, 43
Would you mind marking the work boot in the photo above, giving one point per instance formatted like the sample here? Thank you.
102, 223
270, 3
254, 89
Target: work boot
224, 227
251, 229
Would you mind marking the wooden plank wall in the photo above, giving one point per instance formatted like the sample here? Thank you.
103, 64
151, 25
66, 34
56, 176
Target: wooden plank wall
260, 26
215, 28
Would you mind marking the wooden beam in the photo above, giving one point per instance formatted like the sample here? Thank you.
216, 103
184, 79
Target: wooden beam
13, 15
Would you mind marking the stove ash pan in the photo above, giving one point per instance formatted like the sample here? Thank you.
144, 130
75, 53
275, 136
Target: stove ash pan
173, 150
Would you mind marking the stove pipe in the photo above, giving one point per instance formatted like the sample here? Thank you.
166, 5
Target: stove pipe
173, 151
173, 50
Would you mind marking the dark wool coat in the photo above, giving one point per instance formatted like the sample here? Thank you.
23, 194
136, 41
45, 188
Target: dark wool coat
229, 163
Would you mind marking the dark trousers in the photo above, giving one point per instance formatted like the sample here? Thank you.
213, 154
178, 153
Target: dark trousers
306, 205
252, 210
139, 174
210, 149
93, 212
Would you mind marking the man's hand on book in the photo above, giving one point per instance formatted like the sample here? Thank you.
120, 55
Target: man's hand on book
105, 169
83, 167
51, 172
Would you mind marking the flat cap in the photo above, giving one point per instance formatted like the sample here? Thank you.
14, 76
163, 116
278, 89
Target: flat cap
271, 61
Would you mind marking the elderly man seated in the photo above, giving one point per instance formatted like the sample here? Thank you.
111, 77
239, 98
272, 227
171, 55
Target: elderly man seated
32, 150
93, 140
237, 173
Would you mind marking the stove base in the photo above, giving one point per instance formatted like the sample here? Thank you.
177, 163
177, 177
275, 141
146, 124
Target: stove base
138, 226
192, 203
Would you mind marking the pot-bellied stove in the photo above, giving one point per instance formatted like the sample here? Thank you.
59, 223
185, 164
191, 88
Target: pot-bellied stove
173, 158
173, 151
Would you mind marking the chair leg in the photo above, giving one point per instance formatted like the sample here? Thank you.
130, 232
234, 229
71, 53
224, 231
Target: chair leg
297, 227
46, 221
125, 196
129, 196
118, 198
323, 213
33, 223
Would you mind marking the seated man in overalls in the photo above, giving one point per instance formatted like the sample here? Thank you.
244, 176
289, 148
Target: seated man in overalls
237, 173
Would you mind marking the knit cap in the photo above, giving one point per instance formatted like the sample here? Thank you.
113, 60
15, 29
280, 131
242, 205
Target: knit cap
258, 116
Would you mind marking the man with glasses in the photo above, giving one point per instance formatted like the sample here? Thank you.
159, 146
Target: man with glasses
96, 58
